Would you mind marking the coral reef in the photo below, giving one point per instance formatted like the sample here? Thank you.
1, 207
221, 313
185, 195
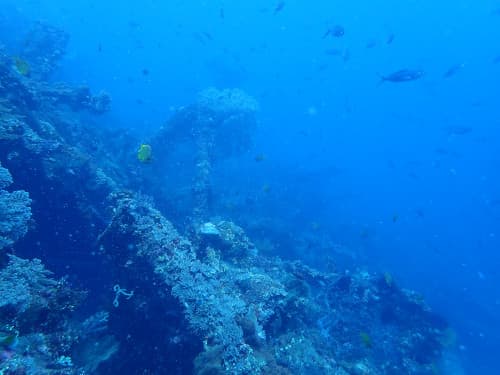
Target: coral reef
201, 300
38, 330
15, 211
44, 47
36, 333
36, 336
255, 314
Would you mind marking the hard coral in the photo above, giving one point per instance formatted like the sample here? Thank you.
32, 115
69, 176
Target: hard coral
15, 211
227, 101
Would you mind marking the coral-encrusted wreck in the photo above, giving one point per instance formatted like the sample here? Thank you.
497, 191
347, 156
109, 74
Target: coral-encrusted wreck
204, 301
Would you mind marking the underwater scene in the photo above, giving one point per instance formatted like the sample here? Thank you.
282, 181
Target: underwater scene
250, 187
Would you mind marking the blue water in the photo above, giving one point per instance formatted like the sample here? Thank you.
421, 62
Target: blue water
405, 175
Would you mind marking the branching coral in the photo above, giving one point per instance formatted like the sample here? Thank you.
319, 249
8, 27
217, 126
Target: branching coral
25, 284
15, 211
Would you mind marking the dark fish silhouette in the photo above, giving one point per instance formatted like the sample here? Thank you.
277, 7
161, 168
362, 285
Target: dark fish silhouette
404, 75
419, 212
203, 37
453, 70
279, 7
444, 152
441, 151
390, 38
457, 130
336, 31
334, 52
133, 25
207, 35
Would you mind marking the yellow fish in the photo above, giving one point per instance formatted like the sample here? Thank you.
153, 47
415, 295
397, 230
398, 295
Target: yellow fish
22, 66
260, 157
144, 153
314, 225
365, 339
388, 279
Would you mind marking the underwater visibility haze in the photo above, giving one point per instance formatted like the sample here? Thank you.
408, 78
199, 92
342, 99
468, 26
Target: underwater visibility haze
249, 187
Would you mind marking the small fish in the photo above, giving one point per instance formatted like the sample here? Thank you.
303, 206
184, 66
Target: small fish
8, 340
420, 213
404, 75
207, 35
337, 31
22, 66
444, 152
457, 130
260, 157
441, 151
145, 72
333, 52
414, 176
371, 44
365, 234
144, 153
99, 48
138, 44
390, 38
221, 13
453, 70
365, 339
279, 7
203, 37
266, 188
133, 25
395, 218
303, 133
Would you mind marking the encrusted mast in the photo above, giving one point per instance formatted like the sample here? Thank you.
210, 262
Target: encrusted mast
219, 124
